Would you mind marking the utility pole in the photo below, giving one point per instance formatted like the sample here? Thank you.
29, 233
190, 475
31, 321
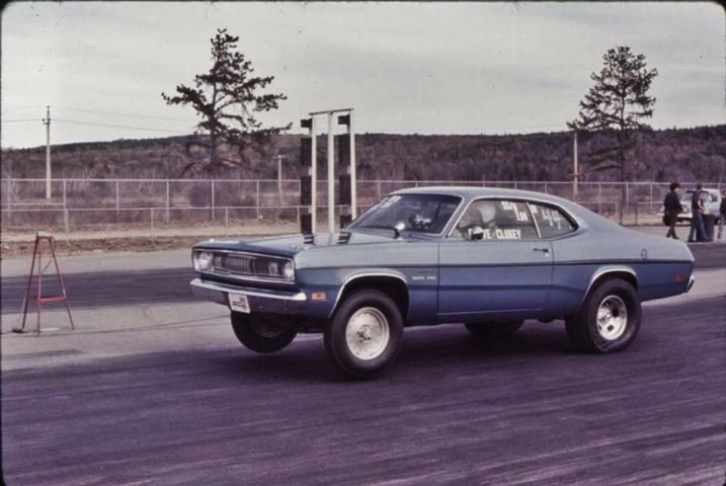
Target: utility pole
331, 177
353, 177
575, 174
46, 122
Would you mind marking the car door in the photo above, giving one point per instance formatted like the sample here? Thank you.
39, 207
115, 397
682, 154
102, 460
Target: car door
493, 264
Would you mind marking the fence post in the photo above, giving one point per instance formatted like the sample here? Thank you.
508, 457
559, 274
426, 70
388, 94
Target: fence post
65, 209
213, 196
10, 200
651, 193
515, 184
546, 191
627, 195
257, 199
118, 199
637, 207
167, 200
151, 221
599, 198
226, 217
379, 191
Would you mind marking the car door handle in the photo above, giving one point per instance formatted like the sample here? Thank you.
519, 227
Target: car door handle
543, 250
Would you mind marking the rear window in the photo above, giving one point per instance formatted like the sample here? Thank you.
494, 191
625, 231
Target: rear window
551, 221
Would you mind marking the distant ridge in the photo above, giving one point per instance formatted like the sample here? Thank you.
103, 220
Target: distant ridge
672, 154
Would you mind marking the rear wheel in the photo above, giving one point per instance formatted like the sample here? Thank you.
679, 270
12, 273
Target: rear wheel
262, 334
494, 329
365, 334
609, 319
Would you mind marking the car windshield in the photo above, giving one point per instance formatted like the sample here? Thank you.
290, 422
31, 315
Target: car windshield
421, 213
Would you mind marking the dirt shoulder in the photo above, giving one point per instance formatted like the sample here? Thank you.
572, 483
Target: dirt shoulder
21, 243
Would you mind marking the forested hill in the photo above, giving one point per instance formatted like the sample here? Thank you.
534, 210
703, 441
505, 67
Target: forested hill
685, 154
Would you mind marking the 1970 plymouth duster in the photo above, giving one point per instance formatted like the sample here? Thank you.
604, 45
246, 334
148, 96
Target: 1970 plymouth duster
487, 258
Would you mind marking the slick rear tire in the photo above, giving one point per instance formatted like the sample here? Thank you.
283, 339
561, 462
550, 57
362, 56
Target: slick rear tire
262, 334
609, 319
493, 329
365, 334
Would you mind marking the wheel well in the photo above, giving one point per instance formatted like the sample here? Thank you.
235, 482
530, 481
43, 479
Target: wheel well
627, 276
607, 275
395, 288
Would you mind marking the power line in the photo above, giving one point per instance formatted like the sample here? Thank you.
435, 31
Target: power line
131, 115
149, 129
26, 107
18, 120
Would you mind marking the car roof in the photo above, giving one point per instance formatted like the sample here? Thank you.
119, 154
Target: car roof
703, 190
473, 192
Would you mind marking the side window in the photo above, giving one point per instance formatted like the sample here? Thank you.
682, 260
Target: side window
495, 219
551, 221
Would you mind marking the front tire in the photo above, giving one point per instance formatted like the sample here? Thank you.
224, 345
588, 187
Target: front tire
496, 330
262, 334
365, 334
609, 319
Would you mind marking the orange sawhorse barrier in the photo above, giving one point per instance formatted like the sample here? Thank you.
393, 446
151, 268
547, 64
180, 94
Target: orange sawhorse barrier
40, 299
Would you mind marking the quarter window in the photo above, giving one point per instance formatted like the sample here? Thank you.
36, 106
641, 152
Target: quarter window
551, 221
496, 219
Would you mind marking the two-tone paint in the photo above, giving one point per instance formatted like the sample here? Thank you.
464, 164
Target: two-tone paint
441, 278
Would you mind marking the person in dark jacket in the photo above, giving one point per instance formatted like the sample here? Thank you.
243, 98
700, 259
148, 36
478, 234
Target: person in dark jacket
697, 210
672, 208
721, 213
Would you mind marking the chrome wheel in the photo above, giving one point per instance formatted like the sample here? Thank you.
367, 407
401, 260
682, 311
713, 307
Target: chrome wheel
367, 333
612, 317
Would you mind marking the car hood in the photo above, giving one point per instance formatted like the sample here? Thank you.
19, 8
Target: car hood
288, 245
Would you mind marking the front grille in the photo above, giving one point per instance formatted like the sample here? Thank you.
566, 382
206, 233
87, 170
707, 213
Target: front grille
249, 265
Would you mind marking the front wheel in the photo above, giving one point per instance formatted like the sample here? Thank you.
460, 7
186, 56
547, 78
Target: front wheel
262, 334
366, 333
609, 319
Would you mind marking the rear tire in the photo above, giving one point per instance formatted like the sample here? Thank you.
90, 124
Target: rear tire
365, 334
609, 319
262, 334
493, 329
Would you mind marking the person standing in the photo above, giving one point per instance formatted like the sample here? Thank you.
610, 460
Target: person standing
722, 213
697, 210
672, 208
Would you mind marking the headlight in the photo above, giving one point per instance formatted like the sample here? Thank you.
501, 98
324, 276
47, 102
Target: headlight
289, 270
203, 261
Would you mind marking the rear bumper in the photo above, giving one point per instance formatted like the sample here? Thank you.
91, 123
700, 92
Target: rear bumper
261, 301
691, 281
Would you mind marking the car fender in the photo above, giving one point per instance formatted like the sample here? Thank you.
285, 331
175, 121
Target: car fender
604, 271
365, 273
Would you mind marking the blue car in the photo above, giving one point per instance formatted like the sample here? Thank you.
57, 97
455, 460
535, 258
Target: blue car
487, 258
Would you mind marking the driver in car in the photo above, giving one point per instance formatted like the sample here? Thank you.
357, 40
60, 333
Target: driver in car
479, 220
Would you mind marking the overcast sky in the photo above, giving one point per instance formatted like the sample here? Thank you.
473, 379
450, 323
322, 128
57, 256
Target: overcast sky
445, 68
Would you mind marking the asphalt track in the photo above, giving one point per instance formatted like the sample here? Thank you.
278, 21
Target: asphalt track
153, 389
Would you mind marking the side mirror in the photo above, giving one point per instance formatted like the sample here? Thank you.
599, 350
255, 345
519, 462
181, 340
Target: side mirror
476, 233
398, 228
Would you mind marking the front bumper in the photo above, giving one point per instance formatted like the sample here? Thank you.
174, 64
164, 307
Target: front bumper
261, 301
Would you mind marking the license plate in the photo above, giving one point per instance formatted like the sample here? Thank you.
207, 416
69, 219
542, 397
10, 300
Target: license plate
239, 303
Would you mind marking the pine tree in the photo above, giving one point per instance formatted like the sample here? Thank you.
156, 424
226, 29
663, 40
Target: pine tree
227, 99
618, 104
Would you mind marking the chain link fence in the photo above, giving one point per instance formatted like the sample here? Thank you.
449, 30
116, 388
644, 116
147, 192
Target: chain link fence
117, 204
